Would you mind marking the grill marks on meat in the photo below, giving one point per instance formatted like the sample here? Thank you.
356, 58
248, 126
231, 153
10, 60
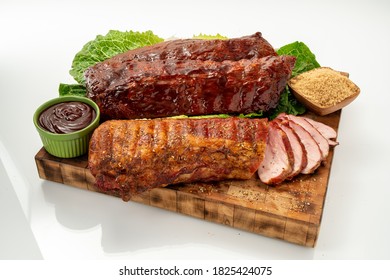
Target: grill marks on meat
191, 87
128, 157
308, 147
190, 77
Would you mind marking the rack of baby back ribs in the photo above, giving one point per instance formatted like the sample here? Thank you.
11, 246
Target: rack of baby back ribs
140, 146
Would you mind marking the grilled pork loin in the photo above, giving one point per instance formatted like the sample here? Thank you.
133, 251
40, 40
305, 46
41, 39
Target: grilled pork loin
128, 157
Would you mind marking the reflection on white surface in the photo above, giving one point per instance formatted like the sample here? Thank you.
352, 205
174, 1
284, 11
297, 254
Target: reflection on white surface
16, 238
132, 230
17, 181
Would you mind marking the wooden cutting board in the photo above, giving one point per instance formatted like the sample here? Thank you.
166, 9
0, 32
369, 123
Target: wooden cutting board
291, 211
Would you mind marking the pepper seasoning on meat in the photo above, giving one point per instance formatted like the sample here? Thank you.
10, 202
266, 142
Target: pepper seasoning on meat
128, 157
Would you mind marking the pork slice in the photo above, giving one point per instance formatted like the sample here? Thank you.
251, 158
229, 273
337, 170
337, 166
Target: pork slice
328, 132
276, 165
315, 134
298, 150
312, 150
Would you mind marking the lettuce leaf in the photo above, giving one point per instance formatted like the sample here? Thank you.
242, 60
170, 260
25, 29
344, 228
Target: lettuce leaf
222, 116
287, 104
104, 47
259, 114
73, 89
208, 37
306, 60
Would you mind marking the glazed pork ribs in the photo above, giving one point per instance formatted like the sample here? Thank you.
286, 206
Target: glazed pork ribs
190, 77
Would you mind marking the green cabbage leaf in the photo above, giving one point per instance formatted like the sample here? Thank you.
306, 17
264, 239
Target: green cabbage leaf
306, 60
208, 37
104, 47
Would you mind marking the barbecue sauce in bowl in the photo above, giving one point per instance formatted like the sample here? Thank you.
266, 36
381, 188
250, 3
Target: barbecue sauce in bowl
67, 117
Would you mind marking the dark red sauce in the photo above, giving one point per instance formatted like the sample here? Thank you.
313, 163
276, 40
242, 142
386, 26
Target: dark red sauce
67, 117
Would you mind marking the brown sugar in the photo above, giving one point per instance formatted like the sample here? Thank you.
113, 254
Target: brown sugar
324, 86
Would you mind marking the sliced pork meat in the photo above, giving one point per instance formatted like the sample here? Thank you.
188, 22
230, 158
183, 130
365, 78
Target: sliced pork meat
309, 143
328, 132
315, 134
312, 149
299, 152
276, 165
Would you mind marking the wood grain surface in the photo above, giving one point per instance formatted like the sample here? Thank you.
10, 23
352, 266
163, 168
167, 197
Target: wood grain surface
291, 211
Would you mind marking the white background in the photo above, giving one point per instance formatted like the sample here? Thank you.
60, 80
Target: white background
41, 219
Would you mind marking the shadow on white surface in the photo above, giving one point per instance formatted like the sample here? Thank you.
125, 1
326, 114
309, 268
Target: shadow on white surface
134, 230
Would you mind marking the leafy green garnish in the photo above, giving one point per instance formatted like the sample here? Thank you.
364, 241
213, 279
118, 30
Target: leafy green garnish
208, 37
73, 89
306, 60
259, 114
222, 116
104, 47
287, 104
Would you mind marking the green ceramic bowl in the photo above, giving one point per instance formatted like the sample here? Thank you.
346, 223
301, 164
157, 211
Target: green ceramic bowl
68, 145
